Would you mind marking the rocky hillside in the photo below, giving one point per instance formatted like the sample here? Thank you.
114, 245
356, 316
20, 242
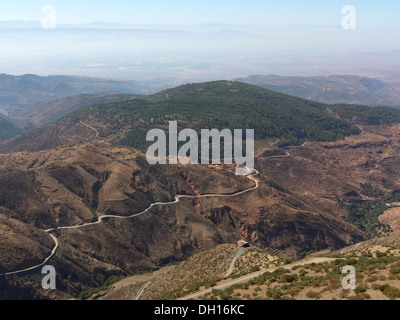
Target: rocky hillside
74, 185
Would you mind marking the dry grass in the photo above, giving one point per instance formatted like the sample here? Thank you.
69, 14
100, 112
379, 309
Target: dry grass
378, 278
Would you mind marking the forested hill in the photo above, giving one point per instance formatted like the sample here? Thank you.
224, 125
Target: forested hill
219, 104
7, 129
234, 105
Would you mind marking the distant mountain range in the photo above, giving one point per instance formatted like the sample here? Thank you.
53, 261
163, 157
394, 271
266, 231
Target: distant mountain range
30, 101
44, 113
16, 24
20, 92
334, 89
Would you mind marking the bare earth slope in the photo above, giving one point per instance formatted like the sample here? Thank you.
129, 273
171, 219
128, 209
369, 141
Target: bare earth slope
73, 185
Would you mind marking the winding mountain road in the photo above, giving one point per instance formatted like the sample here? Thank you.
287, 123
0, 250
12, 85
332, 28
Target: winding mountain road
251, 175
40, 265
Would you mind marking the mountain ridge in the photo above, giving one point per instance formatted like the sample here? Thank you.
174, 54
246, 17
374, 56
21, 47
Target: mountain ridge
204, 105
335, 89
19, 92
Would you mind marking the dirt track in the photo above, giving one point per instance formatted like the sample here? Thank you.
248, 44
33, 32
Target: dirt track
228, 283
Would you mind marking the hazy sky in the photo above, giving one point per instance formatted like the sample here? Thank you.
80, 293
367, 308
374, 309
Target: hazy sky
371, 13
184, 40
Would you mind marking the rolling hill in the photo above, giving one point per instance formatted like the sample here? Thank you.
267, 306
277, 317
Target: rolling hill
345, 89
20, 92
44, 113
198, 106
